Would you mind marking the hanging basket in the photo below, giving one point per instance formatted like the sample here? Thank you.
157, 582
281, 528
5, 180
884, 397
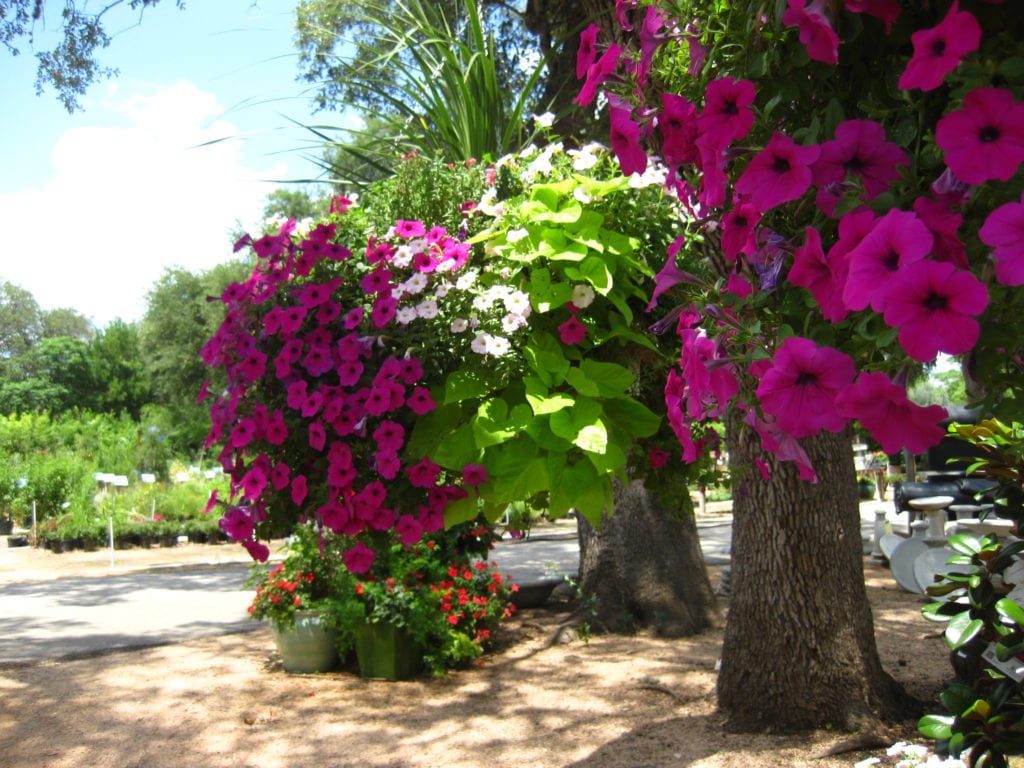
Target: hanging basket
387, 652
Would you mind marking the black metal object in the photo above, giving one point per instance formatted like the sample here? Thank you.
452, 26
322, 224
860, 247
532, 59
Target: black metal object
964, 490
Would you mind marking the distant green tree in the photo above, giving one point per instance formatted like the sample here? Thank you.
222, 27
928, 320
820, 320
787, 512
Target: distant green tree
55, 376
71, 67
122, 382
21, 322
298, 203
183, 310
65, 321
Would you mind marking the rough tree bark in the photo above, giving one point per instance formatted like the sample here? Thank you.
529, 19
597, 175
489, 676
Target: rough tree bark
799, 648
644, 568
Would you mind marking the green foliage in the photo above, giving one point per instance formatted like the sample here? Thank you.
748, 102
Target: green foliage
1003, 461
118, 371
21, 324
986, 704
55, 483
423, 188
442, 95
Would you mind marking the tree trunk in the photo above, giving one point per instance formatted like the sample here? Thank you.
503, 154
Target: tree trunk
644, 567
799, 648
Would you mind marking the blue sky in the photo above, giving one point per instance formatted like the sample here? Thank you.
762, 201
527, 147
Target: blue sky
95, 205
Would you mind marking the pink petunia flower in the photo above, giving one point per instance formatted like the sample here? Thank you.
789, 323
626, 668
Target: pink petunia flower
572, 331
800, 388
598, 72
778, 173
860, 148
738, 285
943, 223
390, 436
474, 475
678, 125
657, 458
883, 409
933, 304
713, 178
782, 445
622, 11
937, 51
237, 524
815, 30
300, 489
377, 281
317, 436
424, 474
625, 139
814, 271
727, 115
984, 139
896, 240
280, 476
669, 275
650, 38
409, 229
258, 551
359, 559
387, 464
409, 530
420, 402
1004, 231
383, 312
738, 227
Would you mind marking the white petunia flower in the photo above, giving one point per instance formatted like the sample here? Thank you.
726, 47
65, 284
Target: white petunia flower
581, 194
545, 120
529, 151
427, 309
582, 296
466, 280
479, 344
459, 324
517, 234
405, 315
441, 289
403, 256
482, 303
416, 283
517, 303
511, 323
497, 345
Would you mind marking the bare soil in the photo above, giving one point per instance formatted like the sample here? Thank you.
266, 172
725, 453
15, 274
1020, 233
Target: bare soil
610, 702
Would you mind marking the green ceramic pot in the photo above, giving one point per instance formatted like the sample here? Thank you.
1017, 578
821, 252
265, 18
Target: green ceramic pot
387, 652
309, 646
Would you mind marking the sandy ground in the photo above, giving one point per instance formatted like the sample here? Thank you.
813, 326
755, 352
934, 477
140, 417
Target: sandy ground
226, 701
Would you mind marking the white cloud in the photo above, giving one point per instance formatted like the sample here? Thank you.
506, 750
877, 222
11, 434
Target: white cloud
129, 198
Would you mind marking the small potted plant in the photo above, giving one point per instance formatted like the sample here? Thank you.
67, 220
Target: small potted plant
299, 596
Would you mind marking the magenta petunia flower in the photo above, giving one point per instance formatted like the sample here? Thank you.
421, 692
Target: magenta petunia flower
984, 139
933, 304
860, 148
738, 285
1004, 231
883, 409
586, 54
424, 474
258, 551
390, 436
598, 72
778, 173
622, 11
896, 240
377, 281
727, 115
886, 10
237, 524
738, 227
782, 445
943, 223
800, 388
474, 475
650, 38
420, 402
300, 489
317, 436
409, 530
814, 271
625, 140
678, 125
815, 31
713, 179
253, 483
359, 559
572, 332
383, 312
409, 229
387, 464
669, 275
937, 51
